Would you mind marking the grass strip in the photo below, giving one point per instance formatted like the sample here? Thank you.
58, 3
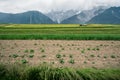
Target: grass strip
46, 72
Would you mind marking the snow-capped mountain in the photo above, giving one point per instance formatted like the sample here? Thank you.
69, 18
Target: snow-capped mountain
58, 16
84, 16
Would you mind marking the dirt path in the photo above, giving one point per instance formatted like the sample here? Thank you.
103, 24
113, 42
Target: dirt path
98, 54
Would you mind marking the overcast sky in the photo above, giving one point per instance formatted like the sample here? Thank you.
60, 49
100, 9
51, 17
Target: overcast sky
44, 6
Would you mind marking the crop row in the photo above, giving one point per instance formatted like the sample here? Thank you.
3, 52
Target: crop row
61, 36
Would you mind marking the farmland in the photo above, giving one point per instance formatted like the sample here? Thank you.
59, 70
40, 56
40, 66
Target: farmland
60, 31
59, 52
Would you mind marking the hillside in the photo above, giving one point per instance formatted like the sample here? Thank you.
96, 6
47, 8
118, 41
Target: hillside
30, 17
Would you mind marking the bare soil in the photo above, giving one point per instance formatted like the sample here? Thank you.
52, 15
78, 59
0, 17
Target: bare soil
82, 54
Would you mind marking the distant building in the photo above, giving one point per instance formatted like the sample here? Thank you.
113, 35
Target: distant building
83, 24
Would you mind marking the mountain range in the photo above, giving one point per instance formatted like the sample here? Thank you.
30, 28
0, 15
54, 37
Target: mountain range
100, 15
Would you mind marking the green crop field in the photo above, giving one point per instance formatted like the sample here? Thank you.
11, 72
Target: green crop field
60, 31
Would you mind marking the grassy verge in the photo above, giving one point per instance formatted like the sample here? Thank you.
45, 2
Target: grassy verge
61, 37
44, 72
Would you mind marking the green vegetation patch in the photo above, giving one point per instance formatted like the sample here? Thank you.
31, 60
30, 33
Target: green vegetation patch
45, 72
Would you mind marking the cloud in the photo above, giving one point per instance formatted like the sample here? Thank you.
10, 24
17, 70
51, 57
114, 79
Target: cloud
15, 6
